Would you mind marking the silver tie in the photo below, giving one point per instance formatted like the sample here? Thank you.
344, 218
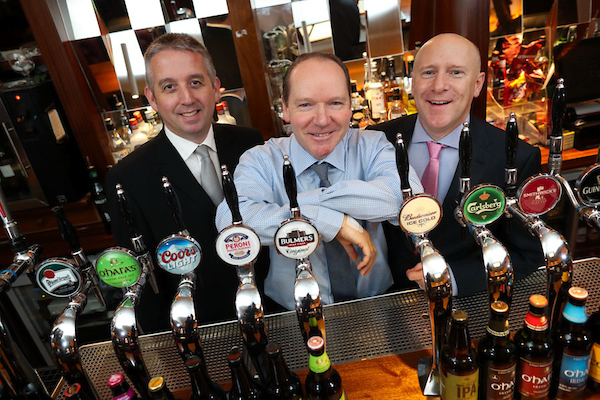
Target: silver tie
208, 176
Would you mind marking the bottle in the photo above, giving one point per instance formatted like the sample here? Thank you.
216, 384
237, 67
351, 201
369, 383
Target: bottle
155, 127
138, 137
228, 116
143, 126
593, 382
375, 95
243, 386
124, 128
562, 297
390, 83
459, 369
221, 118
158, 389
284, 383
573, 346
118, 147
535, 352
366, 118
119, 387
323, 382
396, 107
203, 388
99, 197
75, 392
497, 357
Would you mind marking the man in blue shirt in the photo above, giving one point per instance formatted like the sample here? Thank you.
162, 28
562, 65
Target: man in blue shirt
363, 183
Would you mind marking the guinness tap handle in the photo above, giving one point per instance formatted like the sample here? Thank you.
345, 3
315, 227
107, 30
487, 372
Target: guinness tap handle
173, 203
465, 151
231, 195
126, 212
289, 179
559, 105
512, 136
402, 162
66, 229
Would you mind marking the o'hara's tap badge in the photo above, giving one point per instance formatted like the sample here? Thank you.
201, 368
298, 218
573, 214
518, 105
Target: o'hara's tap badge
589, 188
296, 239
484, 205
178, 255
58, 278
238, 245
539, 195
118, 268
420, 215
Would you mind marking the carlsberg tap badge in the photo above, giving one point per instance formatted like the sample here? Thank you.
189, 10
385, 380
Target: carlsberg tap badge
484, 205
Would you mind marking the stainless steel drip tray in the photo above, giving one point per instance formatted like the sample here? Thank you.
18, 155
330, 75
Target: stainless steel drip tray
369, 328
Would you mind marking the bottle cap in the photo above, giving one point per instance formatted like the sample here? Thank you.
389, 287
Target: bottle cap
459, 316
538, 301
499, 307
578, 293
137, 115
156, 384
72, 390
315, 343
132, 122
115, 379
273, 348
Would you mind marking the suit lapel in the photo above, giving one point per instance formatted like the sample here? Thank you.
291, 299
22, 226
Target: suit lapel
225, 145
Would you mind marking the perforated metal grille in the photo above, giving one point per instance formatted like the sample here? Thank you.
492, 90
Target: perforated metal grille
369, 328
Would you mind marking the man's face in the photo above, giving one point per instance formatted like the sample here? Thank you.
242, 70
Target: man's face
183, 93
318, 107
446, 77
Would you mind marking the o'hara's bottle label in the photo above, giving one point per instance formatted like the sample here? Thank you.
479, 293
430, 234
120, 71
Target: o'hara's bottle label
459, 387
484, 205
594, 372
535, 378
573, 373
500, 383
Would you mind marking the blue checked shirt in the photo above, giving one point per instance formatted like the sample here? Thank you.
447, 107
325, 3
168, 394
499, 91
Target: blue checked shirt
364, 185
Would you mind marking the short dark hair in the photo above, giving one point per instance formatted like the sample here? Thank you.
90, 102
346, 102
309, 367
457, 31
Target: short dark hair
309, 56
177, 41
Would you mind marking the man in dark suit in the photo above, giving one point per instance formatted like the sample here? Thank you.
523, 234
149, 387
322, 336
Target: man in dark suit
182, 86
446, 78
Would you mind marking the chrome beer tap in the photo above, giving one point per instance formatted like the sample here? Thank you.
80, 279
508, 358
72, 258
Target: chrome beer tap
418, 216
183, 319
479, 207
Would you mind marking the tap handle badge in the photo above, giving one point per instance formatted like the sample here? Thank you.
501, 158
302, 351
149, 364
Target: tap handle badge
402, 162
66, 229
512, 136
289, 179
126, 212
559, 105
173, 203
231, 195
465, 151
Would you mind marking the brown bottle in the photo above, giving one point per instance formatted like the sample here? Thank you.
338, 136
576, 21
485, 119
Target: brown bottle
323, 382
203, 388
284, 383
158, 389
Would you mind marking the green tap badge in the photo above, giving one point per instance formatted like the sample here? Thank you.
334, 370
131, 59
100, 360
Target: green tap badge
484, 205
118, 268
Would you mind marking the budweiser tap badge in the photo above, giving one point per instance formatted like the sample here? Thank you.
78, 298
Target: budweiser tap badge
178, 254
539, 194
118, 267
238, 245
484, 204
420, 214
58, 277
588, 187
296, 239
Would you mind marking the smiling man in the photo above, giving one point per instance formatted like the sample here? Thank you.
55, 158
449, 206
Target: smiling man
183, 87
347, 185
446, 77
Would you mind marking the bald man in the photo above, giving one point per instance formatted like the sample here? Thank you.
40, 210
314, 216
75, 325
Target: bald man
446, 78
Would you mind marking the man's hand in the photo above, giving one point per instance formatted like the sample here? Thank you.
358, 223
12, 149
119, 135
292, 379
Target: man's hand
415, 274
351, 233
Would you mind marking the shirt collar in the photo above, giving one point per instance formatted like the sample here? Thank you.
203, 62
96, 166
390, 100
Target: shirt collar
451, 140
302, 159
186, 147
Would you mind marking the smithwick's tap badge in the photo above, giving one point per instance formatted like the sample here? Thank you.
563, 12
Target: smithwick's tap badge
420, 214
238, 245
483, 205
58, 277
118, 267
178, 254
539, 194
296, 239
588, 187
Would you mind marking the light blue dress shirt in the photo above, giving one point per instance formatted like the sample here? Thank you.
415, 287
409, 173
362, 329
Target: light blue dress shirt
364, 185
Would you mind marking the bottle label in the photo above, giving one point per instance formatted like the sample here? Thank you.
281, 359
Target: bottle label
343, 396
7, 171
573, 373
535, 378
130, 394
319, 364
463, 387
594, 371
500, 383
575, 314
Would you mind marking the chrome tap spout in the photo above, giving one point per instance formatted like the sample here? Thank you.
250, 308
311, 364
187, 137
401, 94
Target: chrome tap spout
183, 319
307, 295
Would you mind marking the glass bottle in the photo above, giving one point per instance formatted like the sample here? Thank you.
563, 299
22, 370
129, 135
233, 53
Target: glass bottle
118, 147
396, 107
143, 126
243, 386
221, 118
459, 369
203, 388
323, 382
99, 198
573, 346
228, 116
535, 352
75, 392
284, 384
366, 118
497, 357
593, 382
120, 389
158, 389
155, 127
375, 96
138, 137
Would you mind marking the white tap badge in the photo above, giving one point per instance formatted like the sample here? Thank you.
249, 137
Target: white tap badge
420, 214
238, 245
296, 239
58, 278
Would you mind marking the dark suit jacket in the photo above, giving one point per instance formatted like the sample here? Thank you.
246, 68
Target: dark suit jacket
140, 175
464, 256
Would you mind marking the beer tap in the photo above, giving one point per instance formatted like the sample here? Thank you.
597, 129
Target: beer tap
418, 216
478, 207
536, 196
239, 246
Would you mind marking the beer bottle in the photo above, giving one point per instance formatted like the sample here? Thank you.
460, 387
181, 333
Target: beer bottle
75, 392
243, 386
594, 374
284, 384
573, 346
497, 357
458, 362
203, 388
158, 389
535, 352
120, 388
99, 197
323, 382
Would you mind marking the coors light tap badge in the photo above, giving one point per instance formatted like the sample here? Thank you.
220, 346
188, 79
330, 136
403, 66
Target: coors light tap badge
484, 205
296, 239
178, 255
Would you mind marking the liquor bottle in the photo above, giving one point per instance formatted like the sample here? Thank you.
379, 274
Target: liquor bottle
158, 389
138, 137
99, 197
497, 357
203, 388
229, 117
396, 107
284, 384
75, 392
118, 147
594, 374
221, 118
375, 95
119, 387
366, 118
573, 346
143, 126
323, 382
535, 352
243, 386
124, 128
459, 370
156, 126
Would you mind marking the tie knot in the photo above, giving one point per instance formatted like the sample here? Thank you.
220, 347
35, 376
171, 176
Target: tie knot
434, 149
322, 172
202, 151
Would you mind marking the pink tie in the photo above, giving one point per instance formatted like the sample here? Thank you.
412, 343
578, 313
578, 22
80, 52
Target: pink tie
430, 176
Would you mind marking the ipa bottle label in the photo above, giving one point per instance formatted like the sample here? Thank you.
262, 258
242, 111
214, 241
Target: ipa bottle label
459, 387
535, 378
573, 373
500, 383
594, 371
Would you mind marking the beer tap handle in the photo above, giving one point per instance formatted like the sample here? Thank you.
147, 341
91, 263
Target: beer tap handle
512, 141
402, 165
18, 243
173, 203
465, 149
126, 212
559, 106
289, 179
67, 232
231, 195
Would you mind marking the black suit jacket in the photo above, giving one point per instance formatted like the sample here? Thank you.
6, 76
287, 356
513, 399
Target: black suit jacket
140, 175
464, 256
